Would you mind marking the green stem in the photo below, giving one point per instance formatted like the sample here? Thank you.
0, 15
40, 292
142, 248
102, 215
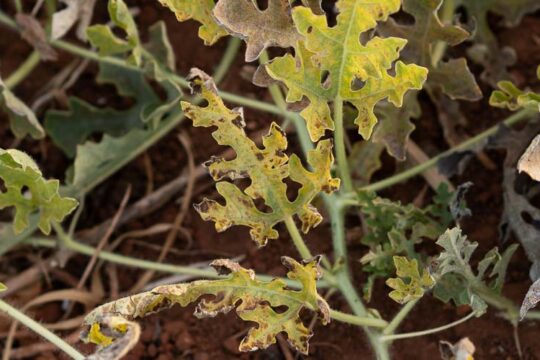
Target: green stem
23, 71
420, 168
400, 316
339, 143
40, 330
296, 237
18, 6
388, 338
533, 315
357, 320
227, 59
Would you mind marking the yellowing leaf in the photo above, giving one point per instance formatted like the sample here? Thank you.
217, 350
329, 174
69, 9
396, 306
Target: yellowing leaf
267, 168
201, 11
260, 29
353, 72
510, 97
2, 287
19, 172
22, 119
415, 284
255, 301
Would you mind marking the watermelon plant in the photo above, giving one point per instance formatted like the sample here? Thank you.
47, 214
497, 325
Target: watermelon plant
348, 80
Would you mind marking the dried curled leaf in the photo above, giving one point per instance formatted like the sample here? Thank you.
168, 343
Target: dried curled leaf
347, 69
200, 11
18, 173
260, 29
529, 162
456, 279
414, 285
446, 80
510, 97
255, 301
22, 119
267, 168
464, 349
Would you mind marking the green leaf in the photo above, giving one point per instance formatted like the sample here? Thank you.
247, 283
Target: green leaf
267, 168
260, 29
512, 98
409, 284
22, 119
108, 43
27, 191
200, 11
255, 301
353, 72
458, 281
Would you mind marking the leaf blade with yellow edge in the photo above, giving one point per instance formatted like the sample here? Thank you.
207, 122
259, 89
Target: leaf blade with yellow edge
416, 284
255, 301
267, 168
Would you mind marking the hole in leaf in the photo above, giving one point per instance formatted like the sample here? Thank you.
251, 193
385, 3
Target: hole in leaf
357, 84
292, 189
325, 79
280, 309
261, 206
262, 4
309, 29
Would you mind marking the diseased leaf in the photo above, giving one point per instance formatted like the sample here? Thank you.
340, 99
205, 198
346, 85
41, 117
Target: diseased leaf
108, 43
450, 79
456, 279
531, 299
255, 301
510, 97
260, 29
464, 349
486, 50
352, 72
27, 191
2, 287
22, 119
529, 162
75, 11
34, 34
410, 283
266, 168
364, 161
200, 11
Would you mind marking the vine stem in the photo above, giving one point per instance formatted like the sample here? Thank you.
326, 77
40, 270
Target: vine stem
339, 143
400, 316
358, 321
40, 330
427, 332
418, 169
297, 239
23, 71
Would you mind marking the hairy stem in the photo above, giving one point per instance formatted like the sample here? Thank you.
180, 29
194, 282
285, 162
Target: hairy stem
426, 332
357, 320
339, 143
23, 71
40, 330
296, 237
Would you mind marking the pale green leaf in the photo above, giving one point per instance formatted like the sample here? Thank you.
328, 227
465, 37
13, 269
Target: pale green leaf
255, 301
22, 119
28, 192
357, 73
200, 11
267, 168
260, 29
510, 97
410, 283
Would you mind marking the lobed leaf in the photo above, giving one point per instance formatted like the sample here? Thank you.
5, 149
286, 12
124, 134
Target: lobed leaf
347, 69
510, 97
414, 285
458, 281
260, 29
267, 168
255, 301
200, 11
27, 191
22, 119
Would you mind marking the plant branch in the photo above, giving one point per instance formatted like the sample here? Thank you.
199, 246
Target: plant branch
357, 320
227, 59
40, 330
23, 71
387, 338
400, 316
339, 143
296, 237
